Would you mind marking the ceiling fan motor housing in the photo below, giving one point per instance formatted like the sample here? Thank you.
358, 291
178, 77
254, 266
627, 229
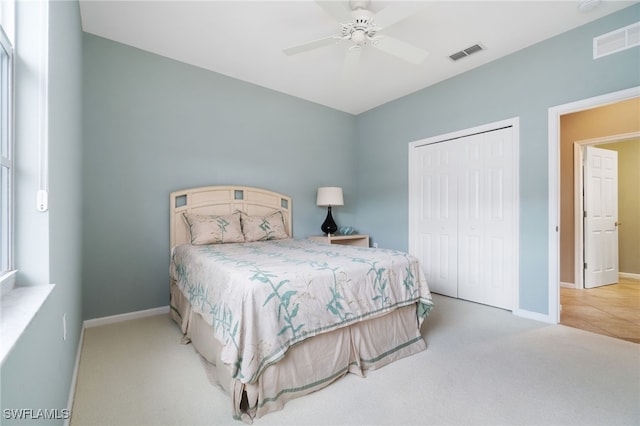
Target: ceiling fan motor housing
360, 28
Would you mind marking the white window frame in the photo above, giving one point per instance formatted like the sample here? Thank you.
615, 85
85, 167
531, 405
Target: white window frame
7, 272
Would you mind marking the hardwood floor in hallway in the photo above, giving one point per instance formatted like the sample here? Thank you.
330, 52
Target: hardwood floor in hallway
612, 310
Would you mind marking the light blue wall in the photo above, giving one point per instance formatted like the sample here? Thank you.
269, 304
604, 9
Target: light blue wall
153, 126
37, 373
525, 84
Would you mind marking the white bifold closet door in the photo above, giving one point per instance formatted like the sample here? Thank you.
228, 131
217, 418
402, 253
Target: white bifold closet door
465, 191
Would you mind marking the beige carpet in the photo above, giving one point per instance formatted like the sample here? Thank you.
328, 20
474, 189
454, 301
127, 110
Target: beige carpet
483, 366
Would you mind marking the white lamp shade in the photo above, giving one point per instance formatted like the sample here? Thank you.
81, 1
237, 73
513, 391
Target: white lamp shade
330, 196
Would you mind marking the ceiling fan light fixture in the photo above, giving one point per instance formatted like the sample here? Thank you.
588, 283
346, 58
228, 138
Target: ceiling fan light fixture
358, 37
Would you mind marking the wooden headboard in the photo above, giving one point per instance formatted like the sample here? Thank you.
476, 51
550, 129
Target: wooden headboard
223, 200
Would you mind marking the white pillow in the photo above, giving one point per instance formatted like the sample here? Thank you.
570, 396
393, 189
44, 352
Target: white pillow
214, 229
262, 228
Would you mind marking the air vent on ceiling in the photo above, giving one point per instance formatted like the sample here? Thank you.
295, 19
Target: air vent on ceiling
466, 52
616, 41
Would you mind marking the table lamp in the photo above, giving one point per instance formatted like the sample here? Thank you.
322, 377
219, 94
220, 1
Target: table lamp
329, 196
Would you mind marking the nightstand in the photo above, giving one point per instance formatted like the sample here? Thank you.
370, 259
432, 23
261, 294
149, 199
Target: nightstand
346, 240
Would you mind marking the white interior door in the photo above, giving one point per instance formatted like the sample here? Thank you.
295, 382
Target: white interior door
486, 219
464, 204
436, 211
471, 216
601, 217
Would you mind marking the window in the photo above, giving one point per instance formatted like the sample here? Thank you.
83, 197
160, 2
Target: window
6, 157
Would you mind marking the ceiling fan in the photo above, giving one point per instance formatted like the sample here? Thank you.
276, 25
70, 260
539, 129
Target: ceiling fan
362, 27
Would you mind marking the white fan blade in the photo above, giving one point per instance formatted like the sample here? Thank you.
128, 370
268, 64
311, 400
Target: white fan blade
395, 13
312, 45
400, 49
351, 61
337, 9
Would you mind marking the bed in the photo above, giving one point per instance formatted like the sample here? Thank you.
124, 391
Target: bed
261, 308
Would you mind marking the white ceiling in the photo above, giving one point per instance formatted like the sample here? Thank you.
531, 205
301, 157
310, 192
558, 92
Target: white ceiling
245, 39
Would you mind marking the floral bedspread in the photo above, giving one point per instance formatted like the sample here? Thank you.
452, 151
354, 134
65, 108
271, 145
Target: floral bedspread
263, 297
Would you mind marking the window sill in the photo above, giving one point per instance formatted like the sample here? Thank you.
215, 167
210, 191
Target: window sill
18, 307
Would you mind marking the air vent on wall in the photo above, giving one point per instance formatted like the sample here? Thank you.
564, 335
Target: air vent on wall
466, 52
616, 41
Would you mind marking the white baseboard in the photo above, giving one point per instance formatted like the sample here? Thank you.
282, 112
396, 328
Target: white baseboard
629, 275
125, 317
567, 285
533, 315
74, 377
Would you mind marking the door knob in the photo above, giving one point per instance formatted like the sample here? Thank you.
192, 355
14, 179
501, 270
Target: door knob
617, 224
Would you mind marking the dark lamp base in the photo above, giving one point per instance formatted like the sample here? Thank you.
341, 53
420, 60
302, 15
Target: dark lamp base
329, 225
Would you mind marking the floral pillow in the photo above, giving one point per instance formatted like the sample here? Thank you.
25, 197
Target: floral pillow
262, 228
214, 229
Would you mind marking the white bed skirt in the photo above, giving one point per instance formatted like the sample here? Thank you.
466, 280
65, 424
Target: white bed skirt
308, 366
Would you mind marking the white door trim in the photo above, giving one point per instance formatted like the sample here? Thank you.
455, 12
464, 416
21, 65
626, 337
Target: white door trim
554, 114
511, 122
578, 156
